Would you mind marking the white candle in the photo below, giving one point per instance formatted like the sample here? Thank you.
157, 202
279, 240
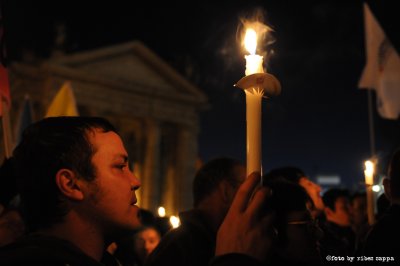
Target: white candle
369, 173
254, 64
253, 131
369, 181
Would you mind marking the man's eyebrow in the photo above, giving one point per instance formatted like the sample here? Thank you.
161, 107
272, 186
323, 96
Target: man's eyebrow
124, 157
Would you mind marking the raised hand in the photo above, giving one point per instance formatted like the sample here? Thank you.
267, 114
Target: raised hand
246, 228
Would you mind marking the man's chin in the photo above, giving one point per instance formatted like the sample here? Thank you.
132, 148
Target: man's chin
135, 221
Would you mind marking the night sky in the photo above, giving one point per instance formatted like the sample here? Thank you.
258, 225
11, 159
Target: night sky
320, 120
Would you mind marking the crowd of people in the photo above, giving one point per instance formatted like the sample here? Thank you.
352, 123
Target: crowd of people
68, 198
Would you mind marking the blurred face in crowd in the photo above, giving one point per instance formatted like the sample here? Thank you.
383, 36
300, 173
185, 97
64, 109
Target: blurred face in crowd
359, 210
239, 177
341, 215
314, 191
146, 241
111, 196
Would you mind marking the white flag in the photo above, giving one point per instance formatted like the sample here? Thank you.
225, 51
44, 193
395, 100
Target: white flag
382, 71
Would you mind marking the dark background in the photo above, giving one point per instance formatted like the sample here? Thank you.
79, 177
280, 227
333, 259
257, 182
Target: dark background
320, 120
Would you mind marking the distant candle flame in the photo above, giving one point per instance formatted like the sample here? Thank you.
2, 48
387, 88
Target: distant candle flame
369, 172
369, 167
175, 221
250, 41
161, 211
376, 188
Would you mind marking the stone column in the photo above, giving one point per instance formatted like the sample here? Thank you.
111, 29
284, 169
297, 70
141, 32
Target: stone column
186, 167
151, 167
169, 188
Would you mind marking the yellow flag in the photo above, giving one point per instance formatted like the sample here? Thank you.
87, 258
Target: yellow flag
64, 103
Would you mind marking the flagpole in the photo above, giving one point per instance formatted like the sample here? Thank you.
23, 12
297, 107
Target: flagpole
6, 129
371, 124
370, 193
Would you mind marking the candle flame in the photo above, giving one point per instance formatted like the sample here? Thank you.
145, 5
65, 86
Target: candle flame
369, 167
250, 41
254, 34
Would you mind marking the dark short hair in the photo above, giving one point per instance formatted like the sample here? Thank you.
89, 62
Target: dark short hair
288, 173
211, 174
382, 204
331, 195
286, 197
8, 186
358, 194
394, 173
46, 147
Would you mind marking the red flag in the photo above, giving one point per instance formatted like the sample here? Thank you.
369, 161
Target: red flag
4, 89
5, 101
4, 82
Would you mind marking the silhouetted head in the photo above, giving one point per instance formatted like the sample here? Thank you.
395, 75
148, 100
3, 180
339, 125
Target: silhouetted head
297, 176
212, 173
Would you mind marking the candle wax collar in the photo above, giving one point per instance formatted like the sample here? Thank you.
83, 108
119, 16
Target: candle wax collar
265, 81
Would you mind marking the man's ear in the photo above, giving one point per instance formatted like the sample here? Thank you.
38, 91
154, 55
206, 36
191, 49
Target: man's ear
68, 184
226, 192
328, 211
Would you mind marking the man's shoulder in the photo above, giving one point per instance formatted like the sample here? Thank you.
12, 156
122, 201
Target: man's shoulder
41, 250
388, 224
193, 231
185, 245
183, 239
195, 222
383, 236
233, 259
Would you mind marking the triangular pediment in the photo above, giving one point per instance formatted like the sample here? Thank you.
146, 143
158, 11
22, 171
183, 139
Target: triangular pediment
130, 66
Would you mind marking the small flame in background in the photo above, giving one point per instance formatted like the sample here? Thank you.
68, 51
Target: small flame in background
175, 221
161, 211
